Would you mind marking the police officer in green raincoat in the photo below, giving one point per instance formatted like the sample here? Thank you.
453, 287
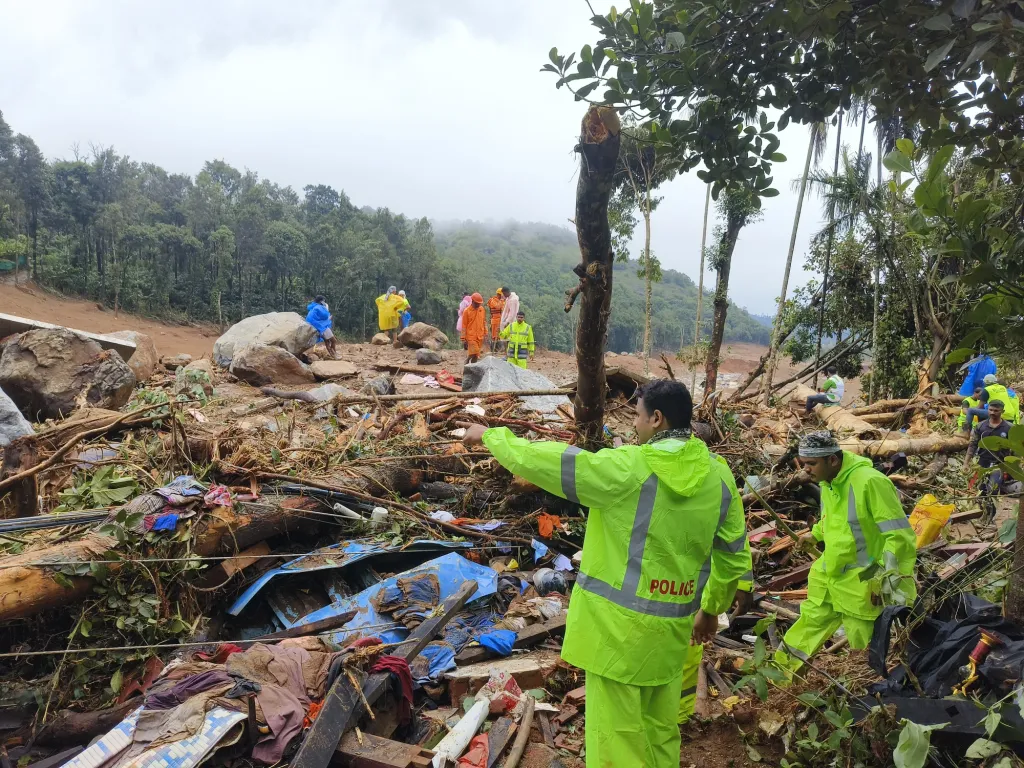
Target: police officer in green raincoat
664, 551
869, 556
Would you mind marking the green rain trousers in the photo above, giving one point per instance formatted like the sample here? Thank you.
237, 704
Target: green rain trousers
631, 725
666, 537
861, 522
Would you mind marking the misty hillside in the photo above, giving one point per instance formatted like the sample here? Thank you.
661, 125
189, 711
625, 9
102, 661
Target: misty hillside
536, 261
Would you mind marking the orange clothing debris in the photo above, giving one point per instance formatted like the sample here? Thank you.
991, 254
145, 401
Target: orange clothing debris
546, 524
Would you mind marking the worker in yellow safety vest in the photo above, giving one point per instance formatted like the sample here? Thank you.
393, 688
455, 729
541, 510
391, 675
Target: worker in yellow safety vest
519, 337
996, 391
665, 548
974, 401
869, 554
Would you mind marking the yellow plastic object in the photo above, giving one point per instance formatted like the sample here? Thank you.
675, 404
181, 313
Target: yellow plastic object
928, 518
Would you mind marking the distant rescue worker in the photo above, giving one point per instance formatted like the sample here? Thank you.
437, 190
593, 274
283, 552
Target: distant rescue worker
518, 338
318, 314
387, 312
971, 401
831, 392
863, 525
508, 314
404, 312
474, 329
496, 304
994, 426
664, 551
993, 390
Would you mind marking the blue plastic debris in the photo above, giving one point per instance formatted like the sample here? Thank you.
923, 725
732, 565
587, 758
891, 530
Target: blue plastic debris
498, 640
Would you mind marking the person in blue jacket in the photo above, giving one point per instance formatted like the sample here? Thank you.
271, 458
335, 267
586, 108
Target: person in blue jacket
976, 374
318, 314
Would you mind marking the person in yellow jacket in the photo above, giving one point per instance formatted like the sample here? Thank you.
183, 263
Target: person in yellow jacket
664, 551
869, 556
974, 401
389, 307
519, 346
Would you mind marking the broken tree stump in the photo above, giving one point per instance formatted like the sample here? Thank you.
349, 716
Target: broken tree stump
835, 417
599, 151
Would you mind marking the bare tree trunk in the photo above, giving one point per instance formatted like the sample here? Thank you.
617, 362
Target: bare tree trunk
773, 351
599, 147
828, 248
647, 287
700, 286
728, 245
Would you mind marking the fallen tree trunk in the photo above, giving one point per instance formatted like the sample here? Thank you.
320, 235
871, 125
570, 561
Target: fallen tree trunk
599, 150
911, 446
27, 586
837, 418
883, 406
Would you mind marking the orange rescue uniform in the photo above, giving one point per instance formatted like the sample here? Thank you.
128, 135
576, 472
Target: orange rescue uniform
474, 329
497, 305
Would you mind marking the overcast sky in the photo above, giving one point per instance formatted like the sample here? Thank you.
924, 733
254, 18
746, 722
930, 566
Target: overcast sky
430, 107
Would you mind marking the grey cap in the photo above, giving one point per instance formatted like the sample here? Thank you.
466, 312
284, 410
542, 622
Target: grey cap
818, 444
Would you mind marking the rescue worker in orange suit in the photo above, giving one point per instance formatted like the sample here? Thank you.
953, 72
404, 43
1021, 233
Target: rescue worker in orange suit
474, 329
496, 304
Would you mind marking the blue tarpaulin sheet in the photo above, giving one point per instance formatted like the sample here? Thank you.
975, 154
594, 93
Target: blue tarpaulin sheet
337, 556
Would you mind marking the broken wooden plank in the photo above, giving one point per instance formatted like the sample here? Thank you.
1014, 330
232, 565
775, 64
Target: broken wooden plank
219, 574
498, 738
313, 628
343, 703
533, 635
794, 576
376, 752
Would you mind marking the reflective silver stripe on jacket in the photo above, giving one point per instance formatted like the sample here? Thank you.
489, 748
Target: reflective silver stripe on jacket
893, 525
626, 597
863, 557
732, 547
569, 473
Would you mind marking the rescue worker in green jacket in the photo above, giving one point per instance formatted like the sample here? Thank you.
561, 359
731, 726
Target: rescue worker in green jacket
996, 391
520, 346
863, 525
974, 401
664, 551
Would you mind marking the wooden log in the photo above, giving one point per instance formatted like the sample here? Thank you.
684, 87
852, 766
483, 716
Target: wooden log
835, 417
599, 148
70, 728
912, 446
27, 586
881, 406
533, 635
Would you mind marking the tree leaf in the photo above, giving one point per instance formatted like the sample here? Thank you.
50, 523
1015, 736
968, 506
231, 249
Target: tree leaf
778, 157
939, 55
115, 681
939, 162
939, 23
913, 745
992, 720
976, 53
769, 192
761, 686
964, 8
983, 748
897, 162
906, 146
676, 40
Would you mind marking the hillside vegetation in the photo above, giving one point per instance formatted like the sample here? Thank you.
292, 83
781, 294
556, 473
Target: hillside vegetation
226, 244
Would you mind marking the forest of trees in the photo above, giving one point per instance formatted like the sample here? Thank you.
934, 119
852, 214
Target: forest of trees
227, 244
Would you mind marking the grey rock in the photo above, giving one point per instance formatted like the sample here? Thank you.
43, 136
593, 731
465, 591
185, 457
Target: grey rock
494, 375
422, 336
380, 340
12, 424
428, 357
174, 362
49, 373
287, 330
145, 360
262, 364
379, 386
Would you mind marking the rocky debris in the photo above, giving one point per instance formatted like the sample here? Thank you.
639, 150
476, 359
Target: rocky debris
287, 330
146, 359
12, 424
494, 375
428, 357
262, 364
202, 365
332, 369
174, 362
320, 394
379, 386
380, 340
51, 372
421, 335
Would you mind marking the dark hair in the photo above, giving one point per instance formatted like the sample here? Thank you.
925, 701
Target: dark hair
319, 299
978, 389
996, 402
983, 396
670, 397
520, 312
831, 370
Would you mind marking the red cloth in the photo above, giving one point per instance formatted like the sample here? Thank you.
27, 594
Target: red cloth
365, 642
476, 756
399, 667
220, 655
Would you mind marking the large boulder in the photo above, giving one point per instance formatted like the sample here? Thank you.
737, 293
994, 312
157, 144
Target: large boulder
174, 362
422, 336
380, 340
262, 364
332, 369
146, 360
12, 424
286, 330
50, 372
428, 357
495, 375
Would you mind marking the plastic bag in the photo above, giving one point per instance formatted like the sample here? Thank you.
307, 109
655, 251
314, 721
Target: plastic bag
928, 518
503, 692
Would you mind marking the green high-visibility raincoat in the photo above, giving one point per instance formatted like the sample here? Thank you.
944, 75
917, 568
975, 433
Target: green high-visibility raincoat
520, 343
969, 402
861, 520
1011, 405
665, 538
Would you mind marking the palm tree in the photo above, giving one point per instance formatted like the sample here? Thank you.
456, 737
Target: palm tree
700, 285
828, 249
815, 152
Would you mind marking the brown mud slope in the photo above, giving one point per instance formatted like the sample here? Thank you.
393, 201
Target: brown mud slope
31, 301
